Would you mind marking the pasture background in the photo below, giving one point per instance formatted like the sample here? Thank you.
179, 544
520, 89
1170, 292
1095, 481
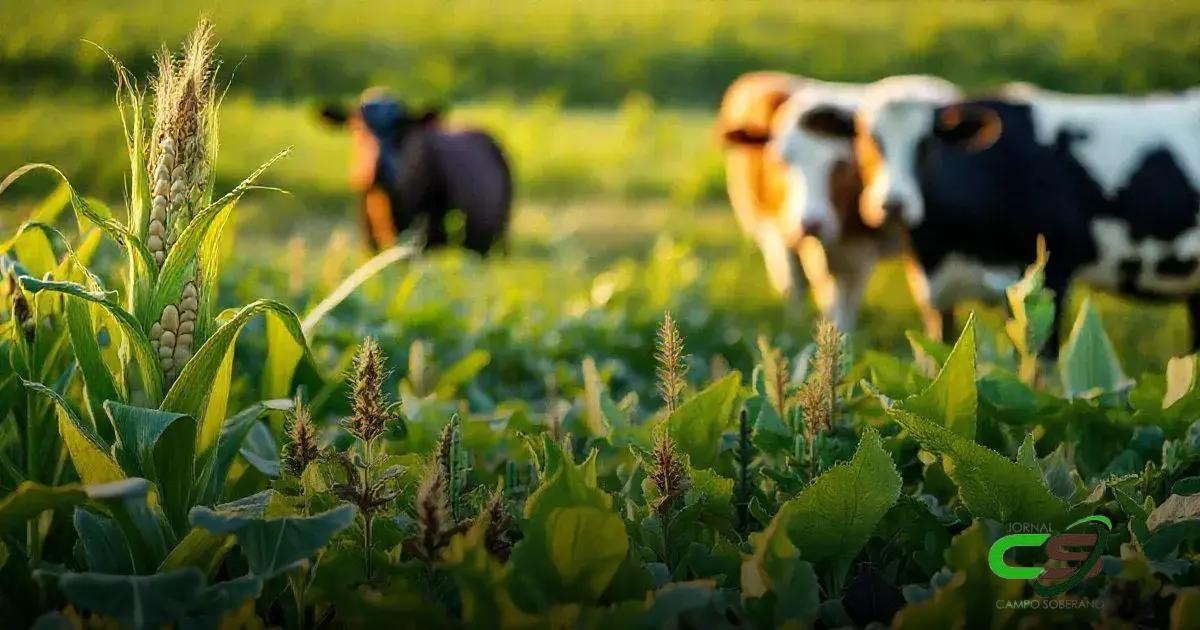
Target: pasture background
605, 109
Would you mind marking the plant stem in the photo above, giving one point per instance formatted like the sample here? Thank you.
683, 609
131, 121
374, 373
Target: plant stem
368, 519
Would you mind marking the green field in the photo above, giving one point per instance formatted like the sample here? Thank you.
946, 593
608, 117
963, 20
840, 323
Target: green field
562, 453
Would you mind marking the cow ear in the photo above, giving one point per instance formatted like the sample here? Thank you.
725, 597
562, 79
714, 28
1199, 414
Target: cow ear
973, 127
335, 114
825, 120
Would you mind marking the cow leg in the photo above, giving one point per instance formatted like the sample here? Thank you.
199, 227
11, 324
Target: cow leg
850, 288
783, 266
935, 322
377, 210
1193, 305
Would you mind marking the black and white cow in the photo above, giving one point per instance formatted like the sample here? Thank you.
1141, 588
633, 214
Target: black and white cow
1112, 182
412, 169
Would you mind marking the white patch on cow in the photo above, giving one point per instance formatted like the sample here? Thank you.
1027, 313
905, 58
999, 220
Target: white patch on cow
958, 278
1114, 245
1120, 131
811, 158
897, 112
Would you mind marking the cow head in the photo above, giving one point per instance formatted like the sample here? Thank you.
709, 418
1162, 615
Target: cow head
379, 125
893, 127
813, 139
970, 126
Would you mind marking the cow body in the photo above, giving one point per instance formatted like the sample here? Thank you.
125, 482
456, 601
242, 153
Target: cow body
1112, 183
413, 171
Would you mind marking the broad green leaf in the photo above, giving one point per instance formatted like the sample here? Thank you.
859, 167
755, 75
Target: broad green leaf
952, 398
1089, 363
573, 544
104, 544
483, 583
830, 521
143, 353
200, 548
190, 393
989, 484
137, 601
88, 453
697, 425
213, 603
272, 545
218, 404
31, 499
129, 502
1175, 521
159, 446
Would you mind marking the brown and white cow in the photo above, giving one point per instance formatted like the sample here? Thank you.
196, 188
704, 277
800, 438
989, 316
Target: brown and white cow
412, 170
803, 199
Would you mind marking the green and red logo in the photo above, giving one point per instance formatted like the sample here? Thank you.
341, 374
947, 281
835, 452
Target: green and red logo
1080, 551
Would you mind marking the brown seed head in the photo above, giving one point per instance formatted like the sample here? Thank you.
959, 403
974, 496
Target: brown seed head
368, 402
301, 448
433, 519
671, 367
667, 470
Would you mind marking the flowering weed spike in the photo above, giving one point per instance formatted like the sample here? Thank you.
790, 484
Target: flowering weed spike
368, 402
433, 518
671, 367
668, 470
301, 447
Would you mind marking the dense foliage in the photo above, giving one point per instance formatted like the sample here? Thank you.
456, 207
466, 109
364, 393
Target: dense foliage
405, 458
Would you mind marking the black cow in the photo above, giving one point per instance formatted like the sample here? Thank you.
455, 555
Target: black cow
413, 171
1113, 183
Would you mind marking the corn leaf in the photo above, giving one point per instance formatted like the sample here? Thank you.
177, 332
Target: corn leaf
159, 446
97, 379
143, 353
31, 499
215, 462
191, 392
129, 502
104, 544
88, 453
201, 549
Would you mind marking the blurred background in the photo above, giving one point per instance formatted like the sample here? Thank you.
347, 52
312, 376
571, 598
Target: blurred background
605, 108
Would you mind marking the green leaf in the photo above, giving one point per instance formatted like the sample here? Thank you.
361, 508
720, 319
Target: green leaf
215, 464
141, 601
989, 484
220, 599
88, 453
143, 353
952, 398
1175, 521
574, 543
31, 499
461, 373
272, 545
190, 393
1032, 308
200, 548
283, 355
129, 503
697, 425
97, 379
104, 544
830, 521
1089, 363
159, 446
